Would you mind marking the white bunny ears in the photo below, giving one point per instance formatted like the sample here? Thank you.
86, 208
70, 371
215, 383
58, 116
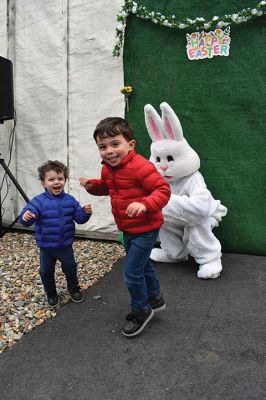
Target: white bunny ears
167, 127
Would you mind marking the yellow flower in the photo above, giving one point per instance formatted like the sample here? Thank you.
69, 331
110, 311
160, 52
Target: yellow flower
126, 90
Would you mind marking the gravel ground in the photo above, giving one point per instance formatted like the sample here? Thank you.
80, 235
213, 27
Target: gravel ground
23, 304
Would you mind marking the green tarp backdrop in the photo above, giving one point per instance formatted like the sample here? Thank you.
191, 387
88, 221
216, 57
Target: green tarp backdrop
221, 103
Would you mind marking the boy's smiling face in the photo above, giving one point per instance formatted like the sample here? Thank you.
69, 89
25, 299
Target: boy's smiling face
114, 149
54, 182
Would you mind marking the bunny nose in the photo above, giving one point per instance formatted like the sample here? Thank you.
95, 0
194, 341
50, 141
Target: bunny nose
164, 167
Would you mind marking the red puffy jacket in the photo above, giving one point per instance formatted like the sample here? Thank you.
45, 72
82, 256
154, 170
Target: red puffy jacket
134, 179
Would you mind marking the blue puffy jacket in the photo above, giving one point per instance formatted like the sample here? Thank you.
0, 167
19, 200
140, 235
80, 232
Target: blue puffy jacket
54, 221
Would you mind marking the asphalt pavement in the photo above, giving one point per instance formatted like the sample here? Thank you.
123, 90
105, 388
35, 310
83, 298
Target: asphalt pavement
210, 342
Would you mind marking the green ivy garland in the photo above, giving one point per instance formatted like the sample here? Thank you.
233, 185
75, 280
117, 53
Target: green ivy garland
131, 7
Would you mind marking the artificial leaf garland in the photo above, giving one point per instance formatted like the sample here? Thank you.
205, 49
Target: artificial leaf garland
199, 23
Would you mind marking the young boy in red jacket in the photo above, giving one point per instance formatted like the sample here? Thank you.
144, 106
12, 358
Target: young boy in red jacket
138, 193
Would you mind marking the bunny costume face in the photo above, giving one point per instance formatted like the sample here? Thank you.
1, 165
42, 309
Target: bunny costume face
170, 152
191, 212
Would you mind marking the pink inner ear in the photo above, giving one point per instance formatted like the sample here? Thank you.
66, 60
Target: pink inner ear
169, 129
155, 129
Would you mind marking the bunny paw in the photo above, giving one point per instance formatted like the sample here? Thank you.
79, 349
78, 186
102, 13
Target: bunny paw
159, 255
210, 270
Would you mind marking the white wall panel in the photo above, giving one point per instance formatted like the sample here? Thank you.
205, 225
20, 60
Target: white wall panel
95, 78
7, 135
39, 84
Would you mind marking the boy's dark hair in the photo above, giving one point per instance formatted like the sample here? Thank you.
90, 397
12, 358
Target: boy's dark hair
56, 166
112, 126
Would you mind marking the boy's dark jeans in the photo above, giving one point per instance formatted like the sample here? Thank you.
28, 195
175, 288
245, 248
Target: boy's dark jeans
139, 273
48, 258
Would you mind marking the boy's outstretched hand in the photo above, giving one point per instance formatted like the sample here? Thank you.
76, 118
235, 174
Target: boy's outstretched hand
135, 209
27, 216
85, 183
87, 208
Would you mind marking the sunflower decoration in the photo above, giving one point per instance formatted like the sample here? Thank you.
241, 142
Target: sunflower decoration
127, 92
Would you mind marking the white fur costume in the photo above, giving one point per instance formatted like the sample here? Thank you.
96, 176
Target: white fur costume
191, 212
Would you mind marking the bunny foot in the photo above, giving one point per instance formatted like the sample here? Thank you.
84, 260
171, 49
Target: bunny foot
210, 270
159, 255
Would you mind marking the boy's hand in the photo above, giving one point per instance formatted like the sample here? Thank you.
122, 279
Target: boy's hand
27, 216
87, 208
135, 209
85, 183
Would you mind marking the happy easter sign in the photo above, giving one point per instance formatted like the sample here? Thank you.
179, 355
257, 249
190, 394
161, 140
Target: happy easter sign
208, 44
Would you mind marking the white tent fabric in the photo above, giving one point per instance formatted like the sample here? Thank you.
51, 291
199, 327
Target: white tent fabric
66, 80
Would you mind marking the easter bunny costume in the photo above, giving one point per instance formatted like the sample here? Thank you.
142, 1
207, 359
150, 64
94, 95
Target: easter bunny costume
191, 212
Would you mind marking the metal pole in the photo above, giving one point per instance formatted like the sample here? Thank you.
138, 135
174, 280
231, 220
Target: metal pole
11, 176
21, 191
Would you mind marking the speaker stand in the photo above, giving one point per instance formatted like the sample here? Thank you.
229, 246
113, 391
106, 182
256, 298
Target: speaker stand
4, 230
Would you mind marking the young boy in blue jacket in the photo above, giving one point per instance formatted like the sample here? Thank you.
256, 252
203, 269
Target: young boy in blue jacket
54, 212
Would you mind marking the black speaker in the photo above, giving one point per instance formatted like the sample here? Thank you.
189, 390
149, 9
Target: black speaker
6, 90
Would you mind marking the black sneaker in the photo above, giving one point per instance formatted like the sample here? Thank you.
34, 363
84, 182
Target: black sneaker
52, 299
76, 295
157, 303
136, 322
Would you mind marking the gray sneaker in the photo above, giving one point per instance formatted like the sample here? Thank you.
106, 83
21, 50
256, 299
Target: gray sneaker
136, 322
76, 295
157, 303
52, 299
